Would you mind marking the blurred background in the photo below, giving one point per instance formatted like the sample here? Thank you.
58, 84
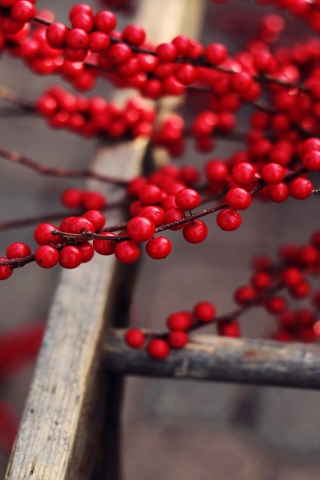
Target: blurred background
171, 429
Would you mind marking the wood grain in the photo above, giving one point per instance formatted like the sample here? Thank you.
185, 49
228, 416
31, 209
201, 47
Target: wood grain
208, 357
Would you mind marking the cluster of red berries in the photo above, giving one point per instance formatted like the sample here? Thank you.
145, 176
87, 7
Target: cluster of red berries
95, 116
288, 274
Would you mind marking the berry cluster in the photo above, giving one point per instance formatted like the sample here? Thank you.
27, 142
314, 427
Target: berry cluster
289, 274
95, 116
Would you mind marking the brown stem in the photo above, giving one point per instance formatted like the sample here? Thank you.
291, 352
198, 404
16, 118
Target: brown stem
58, 172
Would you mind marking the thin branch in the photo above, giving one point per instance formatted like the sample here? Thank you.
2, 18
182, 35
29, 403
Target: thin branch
58, 172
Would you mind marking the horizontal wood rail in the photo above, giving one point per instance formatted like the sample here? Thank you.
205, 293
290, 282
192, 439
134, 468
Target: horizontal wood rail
208, 357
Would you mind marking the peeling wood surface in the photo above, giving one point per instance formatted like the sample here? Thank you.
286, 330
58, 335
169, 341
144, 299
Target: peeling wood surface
55, 432
208, 357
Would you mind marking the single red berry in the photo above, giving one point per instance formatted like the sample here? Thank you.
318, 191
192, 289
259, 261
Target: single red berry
228, 219
9, 27
105, 247
300, 290
291, 276
96, 218
179, 321
71, 198
43, 235
300, 188
243, 173
241, 82
195, 231
134, 338
245, 294
261, 280
307, 254
272, 173
119, 53
5, 270
276, 304
159, 248
81, 8
105, 21
127, 251
70, 257
173, 215
93, 200
150, 195
310, 144
18, 250
98, 42
87, 251
177, 339
230, 329
238, 198
187, 199
158, 349
216, 53
23, 11
278, 193
182, 44
311, 160
46, 256
80, 225
204, 311
134, 34
64, 225
140, 229
153, 213
77, 39
82, 21
56, 35
189, 174
166, 52
216, 171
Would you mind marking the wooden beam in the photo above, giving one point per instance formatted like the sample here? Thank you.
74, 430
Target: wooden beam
223, 359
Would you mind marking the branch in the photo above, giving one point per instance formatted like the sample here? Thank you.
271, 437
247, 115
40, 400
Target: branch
58, 172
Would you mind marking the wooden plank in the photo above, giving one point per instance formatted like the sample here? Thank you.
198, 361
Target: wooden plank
54, 435
208, 357
72, 405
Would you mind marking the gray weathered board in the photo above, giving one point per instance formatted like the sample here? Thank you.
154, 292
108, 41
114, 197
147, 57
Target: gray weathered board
207, 357
68, 409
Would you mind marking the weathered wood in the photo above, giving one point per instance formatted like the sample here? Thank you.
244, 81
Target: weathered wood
223, 359
62, 417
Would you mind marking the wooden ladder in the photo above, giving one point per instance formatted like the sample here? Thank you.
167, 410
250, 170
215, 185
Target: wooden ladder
70, 425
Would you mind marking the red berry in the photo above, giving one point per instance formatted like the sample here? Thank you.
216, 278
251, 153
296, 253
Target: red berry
81, 8
177, 339
134, 34
153, 213
82, 21
134, 338
23, 11
96, 218
98, 41
187, 199
216, 53
80, 225
43, 235
311, 160
204, 311
243, 173
56, 35
140, 229
105, 247
195, 231
93, 200
119, 53
272, 173
166, 52
278, 193
230, 329
300, 290
18, 250
71, 198
216, 171
70, 257
228, 219
127, 251
5, 270
105, 21
291, 276
300, 188
158, 349
276, 304
173, 215
64, 225
159, 248
241, 82
245, 295
261, 280
179, 321
150, 195
87, 251
238, 198
77, 39
46, 256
